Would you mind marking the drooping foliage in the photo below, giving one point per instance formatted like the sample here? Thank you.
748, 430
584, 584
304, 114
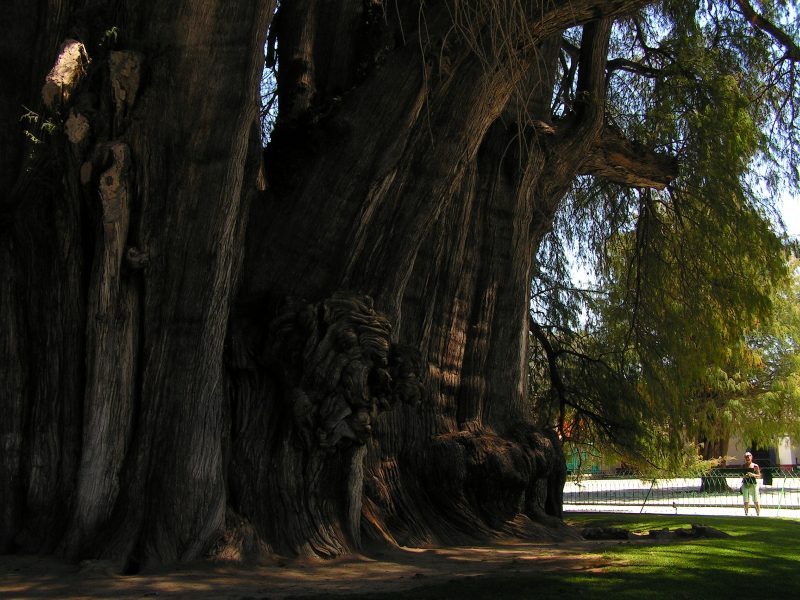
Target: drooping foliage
685, 279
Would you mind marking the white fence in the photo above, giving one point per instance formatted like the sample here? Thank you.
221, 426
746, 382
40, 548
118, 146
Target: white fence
777, 490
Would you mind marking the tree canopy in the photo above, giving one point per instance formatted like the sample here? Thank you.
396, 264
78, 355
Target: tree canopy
691, 277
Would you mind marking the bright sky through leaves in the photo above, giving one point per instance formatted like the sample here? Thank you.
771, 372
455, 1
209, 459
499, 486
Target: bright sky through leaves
790, 209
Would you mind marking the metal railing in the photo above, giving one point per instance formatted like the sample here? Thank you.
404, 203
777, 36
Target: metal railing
778, 489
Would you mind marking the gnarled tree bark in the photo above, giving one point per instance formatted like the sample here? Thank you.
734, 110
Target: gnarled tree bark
209, 350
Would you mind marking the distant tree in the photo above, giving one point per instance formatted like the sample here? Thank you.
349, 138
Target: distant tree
756, 393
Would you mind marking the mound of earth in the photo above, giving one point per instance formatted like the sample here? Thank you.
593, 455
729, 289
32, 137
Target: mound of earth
616, 533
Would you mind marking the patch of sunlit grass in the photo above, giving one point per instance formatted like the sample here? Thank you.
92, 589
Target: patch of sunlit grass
759, 560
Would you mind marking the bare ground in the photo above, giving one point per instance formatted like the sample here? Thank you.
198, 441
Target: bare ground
393, 570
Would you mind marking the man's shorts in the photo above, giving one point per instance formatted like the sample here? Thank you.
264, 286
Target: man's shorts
750, 492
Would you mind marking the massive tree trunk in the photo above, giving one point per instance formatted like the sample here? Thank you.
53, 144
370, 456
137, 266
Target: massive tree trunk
122, 234
367, 378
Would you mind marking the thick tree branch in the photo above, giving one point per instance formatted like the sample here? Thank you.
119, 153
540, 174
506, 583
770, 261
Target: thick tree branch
570, 48
623, 64
629, 163
768, 27
569, 69
578, 12
592, 58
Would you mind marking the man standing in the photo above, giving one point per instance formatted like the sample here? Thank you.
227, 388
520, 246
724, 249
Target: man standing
750, 483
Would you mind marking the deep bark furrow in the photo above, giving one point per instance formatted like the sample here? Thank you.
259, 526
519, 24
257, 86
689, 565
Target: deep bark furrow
13, 383
53, 360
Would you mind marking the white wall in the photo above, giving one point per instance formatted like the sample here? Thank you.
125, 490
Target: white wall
784, 451
787, 453
736, 449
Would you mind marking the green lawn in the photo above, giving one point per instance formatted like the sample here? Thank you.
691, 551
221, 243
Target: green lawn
760, 561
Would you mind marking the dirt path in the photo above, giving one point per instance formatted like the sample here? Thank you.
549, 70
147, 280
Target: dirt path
35, 577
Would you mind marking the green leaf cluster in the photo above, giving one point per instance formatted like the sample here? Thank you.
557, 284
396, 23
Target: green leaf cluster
689, 330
